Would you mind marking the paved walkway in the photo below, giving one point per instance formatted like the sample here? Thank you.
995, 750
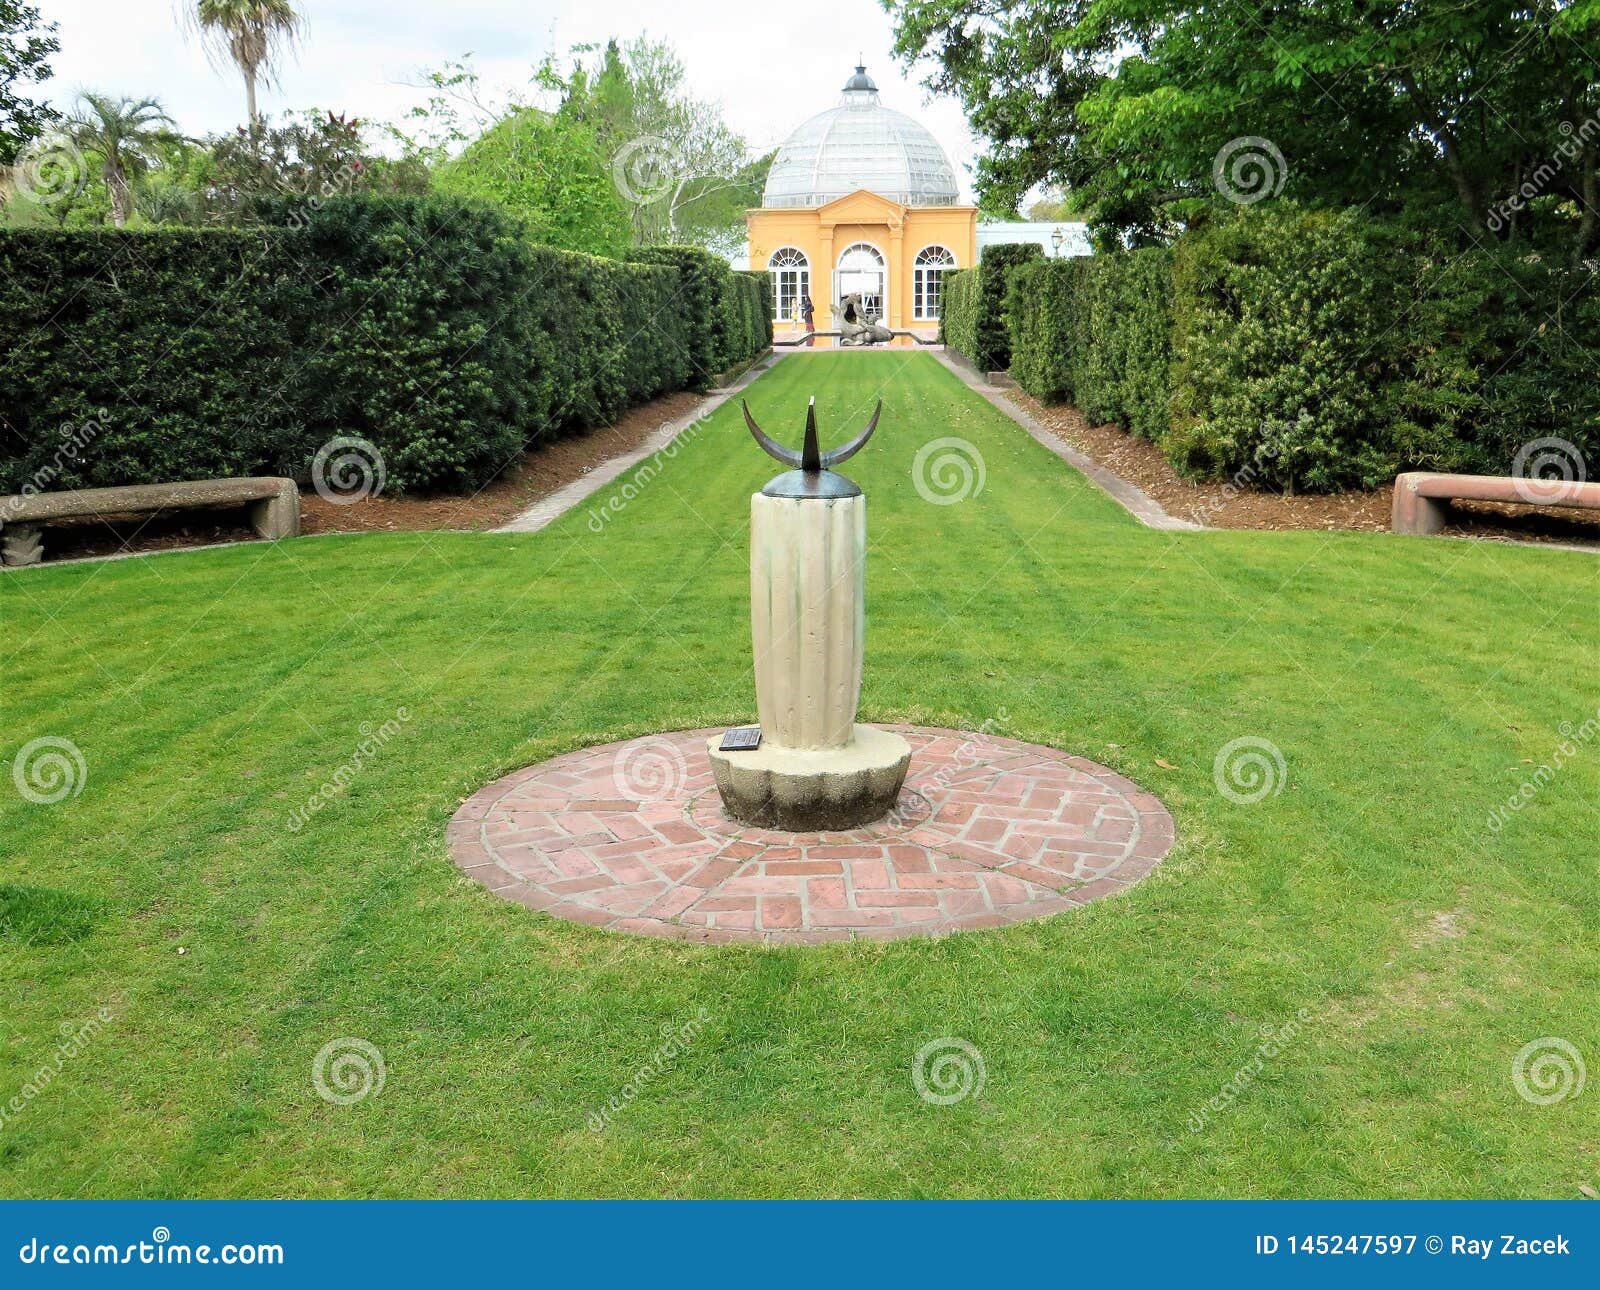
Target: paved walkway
549, 509
1132, 498
632, 837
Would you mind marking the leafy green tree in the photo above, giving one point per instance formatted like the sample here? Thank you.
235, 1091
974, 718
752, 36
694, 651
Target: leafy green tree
551, 172
251, 34
1156, 111
26, 44
685, 175
126, 135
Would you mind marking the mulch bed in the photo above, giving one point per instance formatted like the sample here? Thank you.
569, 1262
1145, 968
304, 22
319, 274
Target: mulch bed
1140, 462
534, 475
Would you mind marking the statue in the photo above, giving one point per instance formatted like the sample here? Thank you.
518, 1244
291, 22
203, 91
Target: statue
815, 768
855, 325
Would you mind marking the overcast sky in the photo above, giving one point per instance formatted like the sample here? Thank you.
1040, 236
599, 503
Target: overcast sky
770, 66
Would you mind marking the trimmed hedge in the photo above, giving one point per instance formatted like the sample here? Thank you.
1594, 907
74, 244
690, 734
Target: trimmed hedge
730, 310
1311, 352
430, 326
973, 303
1096, 331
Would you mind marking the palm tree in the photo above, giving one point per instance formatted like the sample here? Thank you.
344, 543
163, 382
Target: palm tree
252, 34
125, 134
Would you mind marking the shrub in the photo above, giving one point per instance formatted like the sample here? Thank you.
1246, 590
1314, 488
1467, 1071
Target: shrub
1095, 331
130, 358
1310, 351
430, 326
974, 303
727, 311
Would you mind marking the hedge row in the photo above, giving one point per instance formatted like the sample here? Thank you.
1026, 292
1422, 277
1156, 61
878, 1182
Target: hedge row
731, 311
1312, 352
973, 305
431, 327
1096, 332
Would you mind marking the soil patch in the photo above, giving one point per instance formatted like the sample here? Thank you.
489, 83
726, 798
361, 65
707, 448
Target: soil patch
1219, 506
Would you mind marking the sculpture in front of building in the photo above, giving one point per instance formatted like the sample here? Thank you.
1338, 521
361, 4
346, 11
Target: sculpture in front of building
812, 766
856, 326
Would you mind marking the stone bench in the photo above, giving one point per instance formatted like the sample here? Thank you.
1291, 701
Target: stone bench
1420, 496
274, 504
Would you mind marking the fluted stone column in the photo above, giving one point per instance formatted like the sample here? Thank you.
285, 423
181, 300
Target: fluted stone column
808, 616
815, 768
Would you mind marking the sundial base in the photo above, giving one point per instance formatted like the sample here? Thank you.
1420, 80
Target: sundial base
812, 790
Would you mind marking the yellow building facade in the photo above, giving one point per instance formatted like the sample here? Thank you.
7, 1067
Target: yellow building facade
861, 199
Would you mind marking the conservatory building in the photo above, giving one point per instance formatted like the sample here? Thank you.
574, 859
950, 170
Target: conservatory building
861, 198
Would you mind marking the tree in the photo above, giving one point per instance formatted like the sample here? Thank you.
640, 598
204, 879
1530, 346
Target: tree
25, 45
550, 171
252, 34
685, 175
1155, 111
126, 135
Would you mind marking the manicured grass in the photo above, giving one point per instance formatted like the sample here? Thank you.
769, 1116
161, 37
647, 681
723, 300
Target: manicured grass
1411, 685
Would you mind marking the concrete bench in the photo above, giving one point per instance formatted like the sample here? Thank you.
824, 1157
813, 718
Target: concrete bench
1420, 496
274, 504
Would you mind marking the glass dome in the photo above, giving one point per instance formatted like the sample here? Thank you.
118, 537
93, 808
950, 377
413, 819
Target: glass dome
861, 144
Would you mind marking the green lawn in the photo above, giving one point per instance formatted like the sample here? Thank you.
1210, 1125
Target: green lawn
1411, 685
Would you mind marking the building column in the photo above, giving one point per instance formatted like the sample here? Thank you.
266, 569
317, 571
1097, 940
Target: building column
822, 284
894, 291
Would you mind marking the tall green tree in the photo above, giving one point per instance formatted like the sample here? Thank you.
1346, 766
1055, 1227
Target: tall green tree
551, 172
26, 43
251, 34
685, 175
126, 135
1155, 110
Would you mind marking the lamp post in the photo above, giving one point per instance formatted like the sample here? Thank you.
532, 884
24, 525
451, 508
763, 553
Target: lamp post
1057, 238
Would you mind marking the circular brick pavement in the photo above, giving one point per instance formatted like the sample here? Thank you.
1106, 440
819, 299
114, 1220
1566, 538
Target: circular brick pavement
631, 836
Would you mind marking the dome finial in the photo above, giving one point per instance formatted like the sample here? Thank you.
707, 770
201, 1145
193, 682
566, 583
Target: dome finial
860, 83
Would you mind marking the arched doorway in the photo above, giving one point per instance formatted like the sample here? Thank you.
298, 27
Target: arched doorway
862, 268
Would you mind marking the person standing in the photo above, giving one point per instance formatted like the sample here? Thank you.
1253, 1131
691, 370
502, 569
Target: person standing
809, 313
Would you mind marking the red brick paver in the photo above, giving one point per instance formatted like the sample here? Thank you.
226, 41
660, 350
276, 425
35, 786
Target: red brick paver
632, 836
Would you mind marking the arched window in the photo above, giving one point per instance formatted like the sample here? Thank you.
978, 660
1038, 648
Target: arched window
861, 268
927, 282
791, 280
